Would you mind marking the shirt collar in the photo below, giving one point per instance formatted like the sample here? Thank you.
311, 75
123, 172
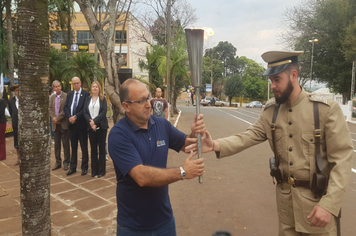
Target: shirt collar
296, 101
79, 92
134, 127
59, 95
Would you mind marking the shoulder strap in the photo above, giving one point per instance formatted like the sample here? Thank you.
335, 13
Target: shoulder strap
273, 129
317, 134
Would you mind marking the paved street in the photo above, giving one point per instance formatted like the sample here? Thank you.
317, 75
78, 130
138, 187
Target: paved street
78, 203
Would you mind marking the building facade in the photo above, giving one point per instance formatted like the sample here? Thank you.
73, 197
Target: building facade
128, 40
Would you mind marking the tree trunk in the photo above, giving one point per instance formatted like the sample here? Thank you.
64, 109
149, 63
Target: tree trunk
34, 134
107, 51
10, 58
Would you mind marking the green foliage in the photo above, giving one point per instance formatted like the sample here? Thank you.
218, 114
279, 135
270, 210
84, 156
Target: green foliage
157, 59
233, 86
333, 23
152, 56
57, 62
215, 67
251, 72
84, 66
226, 53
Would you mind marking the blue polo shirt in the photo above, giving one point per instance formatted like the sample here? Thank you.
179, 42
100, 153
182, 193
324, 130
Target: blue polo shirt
142, 208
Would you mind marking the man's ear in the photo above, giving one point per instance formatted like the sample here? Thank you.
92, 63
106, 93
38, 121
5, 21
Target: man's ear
125, 106
294, 75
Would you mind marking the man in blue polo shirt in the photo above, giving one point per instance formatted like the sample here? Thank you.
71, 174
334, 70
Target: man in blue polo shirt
138, 145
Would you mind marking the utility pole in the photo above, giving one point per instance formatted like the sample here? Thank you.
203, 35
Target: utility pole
168, 37
312, 41
352, 81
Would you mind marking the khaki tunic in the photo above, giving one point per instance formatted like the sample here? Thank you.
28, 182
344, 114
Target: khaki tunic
295, 146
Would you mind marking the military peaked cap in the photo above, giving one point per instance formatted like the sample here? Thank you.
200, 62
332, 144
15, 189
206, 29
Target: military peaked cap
278, 61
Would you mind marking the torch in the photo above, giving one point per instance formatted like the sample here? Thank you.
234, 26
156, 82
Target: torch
195, 42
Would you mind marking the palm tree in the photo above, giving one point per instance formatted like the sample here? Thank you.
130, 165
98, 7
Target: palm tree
56, 65
84, 66
34, 134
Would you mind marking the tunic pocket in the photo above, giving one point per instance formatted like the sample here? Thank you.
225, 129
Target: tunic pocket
284, 200
308, 141
309, 201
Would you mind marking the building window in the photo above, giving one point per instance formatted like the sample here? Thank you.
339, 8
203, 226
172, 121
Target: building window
60, 37
118, 35
85, 37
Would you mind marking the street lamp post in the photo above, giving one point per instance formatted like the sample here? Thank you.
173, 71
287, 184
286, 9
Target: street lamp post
312, 41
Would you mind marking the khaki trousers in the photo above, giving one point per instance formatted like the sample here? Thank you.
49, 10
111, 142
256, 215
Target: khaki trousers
287, 230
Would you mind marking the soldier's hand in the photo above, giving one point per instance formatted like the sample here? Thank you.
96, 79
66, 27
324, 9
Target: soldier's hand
193, 168
207, 144
320, 217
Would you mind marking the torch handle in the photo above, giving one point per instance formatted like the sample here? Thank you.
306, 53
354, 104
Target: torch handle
197, 105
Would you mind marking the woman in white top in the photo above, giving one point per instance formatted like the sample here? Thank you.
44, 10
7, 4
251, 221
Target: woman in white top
95, 109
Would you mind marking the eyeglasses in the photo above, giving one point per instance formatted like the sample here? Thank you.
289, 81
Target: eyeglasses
141, 102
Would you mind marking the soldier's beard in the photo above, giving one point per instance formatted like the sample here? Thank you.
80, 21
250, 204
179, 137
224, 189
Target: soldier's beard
285, 94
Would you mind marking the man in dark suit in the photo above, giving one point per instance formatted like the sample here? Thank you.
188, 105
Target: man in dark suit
77, 125
13, 109
59, 126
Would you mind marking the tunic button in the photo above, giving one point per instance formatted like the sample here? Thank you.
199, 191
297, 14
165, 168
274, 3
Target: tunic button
290, 123
290, 110
290, 149
291, 135
291, 163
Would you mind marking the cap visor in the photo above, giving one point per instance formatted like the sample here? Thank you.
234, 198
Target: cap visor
275, 70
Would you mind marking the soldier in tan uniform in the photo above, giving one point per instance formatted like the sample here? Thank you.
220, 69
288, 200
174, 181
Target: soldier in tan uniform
300, 212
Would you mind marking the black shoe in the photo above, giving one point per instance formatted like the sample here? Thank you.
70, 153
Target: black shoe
99, 176
70, 172
66, 167
84, 172
56, 167
93, 175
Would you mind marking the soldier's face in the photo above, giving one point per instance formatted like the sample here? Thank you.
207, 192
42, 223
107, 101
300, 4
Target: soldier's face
281, 86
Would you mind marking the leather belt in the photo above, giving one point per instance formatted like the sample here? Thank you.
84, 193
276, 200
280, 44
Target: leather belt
296, 182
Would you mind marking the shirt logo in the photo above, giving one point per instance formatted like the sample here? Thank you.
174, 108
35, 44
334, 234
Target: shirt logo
160, 143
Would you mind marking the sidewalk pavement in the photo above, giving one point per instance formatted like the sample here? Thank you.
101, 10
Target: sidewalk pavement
79, 204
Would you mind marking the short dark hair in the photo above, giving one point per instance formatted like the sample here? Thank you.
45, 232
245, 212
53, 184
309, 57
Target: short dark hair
294, 66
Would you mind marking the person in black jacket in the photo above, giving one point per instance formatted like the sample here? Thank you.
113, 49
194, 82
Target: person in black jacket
77, 125
95, 109
2, 129
14, 112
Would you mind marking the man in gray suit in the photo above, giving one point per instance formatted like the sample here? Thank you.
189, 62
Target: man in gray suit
59, 126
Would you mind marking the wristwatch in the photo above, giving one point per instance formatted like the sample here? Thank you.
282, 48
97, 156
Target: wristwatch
182, 172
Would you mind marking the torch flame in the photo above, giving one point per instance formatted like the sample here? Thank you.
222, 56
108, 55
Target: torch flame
208, 32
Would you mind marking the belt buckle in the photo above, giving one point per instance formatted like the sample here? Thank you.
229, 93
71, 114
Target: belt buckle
291, 181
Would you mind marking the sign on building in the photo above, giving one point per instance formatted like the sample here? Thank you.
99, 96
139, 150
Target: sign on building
80, 47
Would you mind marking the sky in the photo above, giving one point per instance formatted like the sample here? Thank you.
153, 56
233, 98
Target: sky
251, 26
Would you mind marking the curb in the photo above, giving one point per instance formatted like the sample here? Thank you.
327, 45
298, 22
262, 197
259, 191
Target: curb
180, 112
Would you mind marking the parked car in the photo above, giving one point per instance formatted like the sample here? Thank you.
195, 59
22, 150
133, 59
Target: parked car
254, 104
220, 103
206, 101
